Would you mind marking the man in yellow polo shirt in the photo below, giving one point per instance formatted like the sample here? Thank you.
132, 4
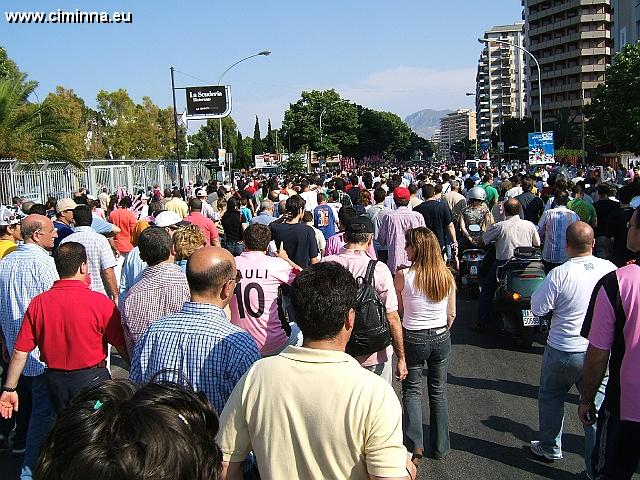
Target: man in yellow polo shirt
333, 418
10, 219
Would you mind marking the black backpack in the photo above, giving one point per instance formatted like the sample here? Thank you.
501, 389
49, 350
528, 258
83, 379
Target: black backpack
371, 329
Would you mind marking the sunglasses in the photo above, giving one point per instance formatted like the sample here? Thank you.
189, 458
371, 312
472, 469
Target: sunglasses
237, 278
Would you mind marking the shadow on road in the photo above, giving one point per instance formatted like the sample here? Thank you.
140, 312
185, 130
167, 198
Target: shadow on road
570, 442
504, 386
520, 458
491, 341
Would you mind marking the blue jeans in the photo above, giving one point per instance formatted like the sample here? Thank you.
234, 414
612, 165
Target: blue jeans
42, 418
236, 248
423, 349
559, 372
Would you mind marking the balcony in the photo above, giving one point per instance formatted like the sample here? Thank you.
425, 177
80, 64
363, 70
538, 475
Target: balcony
553, 10
577, 20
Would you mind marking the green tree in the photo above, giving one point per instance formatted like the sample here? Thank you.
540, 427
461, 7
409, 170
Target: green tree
248, 151
515, 131
241, 160
566, 129
29, 132
419, 147
73, 110
269, 140
295, 164
615, 105
118, 112
301, 124
256, 147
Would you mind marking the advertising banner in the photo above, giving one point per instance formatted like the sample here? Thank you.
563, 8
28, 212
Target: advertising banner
208, 102
541, 148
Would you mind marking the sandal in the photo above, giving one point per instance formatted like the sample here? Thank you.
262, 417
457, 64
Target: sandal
416, 458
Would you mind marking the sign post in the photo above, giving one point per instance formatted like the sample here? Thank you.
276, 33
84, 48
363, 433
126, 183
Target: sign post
541, 148
208, 102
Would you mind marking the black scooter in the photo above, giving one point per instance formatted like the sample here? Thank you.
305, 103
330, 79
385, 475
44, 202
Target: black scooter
517, 280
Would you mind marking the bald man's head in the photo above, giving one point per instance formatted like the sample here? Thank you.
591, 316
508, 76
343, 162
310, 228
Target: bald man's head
580, 238
209, 268
38, 229
512, 207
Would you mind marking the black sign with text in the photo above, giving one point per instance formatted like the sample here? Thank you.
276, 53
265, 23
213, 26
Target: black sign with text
207, 101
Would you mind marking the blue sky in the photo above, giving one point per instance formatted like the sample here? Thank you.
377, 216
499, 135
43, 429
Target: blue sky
398, 56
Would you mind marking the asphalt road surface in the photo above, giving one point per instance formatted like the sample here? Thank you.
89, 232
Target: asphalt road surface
493, 413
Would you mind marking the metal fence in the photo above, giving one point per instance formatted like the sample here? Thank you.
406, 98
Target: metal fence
59, 179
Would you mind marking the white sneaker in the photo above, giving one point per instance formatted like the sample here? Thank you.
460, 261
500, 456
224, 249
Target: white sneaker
536, 448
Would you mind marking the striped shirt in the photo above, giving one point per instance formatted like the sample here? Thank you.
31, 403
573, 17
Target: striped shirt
199, 345
392, 231
161, 291
552, 229
99, 254
25, 273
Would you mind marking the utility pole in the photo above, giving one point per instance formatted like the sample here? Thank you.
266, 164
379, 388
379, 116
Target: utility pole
175, 123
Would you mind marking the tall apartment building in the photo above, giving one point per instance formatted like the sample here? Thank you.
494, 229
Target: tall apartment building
625, 23
500, 79
458, 125
572, 41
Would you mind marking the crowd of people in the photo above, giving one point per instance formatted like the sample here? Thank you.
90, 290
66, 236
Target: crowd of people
333, 283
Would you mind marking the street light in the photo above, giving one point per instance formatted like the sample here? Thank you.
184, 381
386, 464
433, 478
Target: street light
262, 53
503, 42
325, 109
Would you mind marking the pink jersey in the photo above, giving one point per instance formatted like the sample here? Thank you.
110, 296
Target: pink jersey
254, 307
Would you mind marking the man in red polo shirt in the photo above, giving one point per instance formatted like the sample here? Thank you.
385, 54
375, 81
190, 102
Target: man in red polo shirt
195, 217
71, 325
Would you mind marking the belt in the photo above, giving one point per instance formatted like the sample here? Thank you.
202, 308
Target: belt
430, 331
102, 364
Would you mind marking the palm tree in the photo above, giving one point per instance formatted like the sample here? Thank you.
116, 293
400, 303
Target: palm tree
29, 132
566, 128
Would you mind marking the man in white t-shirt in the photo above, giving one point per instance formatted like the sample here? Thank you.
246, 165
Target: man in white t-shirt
310, 196
566, 292
254, 307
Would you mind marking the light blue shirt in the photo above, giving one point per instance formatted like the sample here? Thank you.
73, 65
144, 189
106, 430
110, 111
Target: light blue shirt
197, 345
132, 269
24, 274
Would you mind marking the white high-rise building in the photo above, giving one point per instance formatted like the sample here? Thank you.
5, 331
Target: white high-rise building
458, 125
500, 82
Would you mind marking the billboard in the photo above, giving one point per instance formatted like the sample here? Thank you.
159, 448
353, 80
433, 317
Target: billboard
541, 148
208, 102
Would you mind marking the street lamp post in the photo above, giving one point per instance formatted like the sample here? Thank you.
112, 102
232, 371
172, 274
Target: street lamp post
262, 53
503, 42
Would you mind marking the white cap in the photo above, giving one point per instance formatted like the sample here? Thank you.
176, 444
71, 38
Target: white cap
168, 219
10, 215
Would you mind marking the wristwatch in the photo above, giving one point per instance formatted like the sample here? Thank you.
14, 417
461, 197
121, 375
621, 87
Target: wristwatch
9, 389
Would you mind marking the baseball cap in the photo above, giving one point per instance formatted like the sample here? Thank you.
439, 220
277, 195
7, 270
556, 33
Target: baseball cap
360, 224
401, 193
10, 215
65, 204
169, 219
201, 192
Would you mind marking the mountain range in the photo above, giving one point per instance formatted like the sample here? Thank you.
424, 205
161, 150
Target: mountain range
425, 122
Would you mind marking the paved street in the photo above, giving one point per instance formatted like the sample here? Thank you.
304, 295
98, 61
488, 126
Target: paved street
493, 413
